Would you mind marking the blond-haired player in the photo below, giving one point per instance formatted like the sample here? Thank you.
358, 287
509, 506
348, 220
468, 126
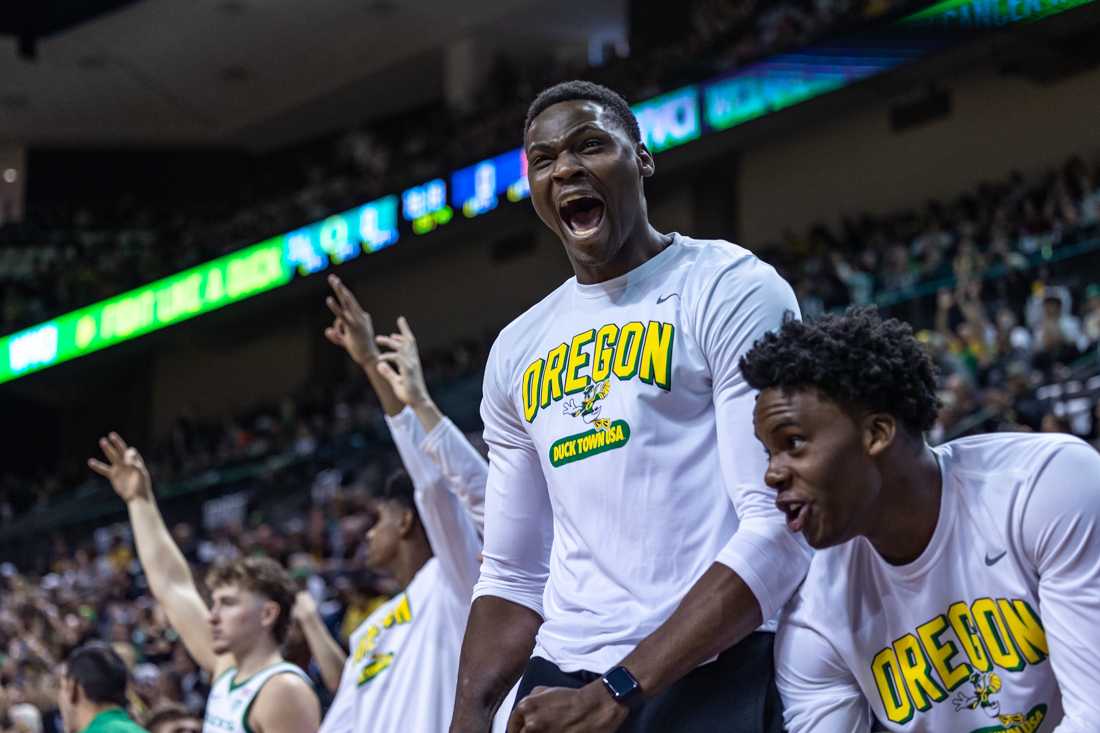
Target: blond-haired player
236, 639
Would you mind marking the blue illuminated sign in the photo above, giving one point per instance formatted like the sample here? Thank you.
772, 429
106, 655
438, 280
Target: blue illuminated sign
477, 189
425, 206
342, 237
669, 120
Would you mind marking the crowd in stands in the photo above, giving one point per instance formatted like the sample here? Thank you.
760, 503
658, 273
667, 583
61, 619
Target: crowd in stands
1014, 328
1014, 334
64, 256
1003, 285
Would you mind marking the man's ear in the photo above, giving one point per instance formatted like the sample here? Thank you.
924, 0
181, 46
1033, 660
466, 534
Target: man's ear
269, 614
646, 165
72, 690
408, 522
879, 430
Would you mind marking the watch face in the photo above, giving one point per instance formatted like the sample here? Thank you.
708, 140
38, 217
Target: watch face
622, 683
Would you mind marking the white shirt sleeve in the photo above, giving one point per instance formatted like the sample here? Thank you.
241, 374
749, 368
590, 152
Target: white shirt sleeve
819, 693
738, 308
1060, 534
451, 532
407, 434
519, 524
462, 467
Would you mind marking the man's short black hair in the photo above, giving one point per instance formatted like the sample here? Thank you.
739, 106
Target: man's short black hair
398, 487
100, 672
568, 91
857, 359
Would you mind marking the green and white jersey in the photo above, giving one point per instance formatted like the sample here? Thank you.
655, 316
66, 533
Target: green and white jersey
231, 699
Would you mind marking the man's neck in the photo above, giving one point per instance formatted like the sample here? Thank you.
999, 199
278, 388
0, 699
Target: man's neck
260, 657
411, 556
89, 711
909, 506
639, 248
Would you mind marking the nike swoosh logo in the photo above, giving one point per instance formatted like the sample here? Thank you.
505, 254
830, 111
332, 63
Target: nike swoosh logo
991, 561
662, 299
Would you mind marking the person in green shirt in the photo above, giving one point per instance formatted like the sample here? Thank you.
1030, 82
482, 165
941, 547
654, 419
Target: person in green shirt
92, 693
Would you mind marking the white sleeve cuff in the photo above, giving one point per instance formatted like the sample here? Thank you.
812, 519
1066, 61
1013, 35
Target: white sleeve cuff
518, 593
772, 565
430, 442
404, 420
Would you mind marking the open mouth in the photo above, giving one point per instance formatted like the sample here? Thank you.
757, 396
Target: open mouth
797, 512
582, 214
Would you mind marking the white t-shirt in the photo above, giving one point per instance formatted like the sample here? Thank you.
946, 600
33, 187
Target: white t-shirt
402, 667
230, 700
979, 633
622, 457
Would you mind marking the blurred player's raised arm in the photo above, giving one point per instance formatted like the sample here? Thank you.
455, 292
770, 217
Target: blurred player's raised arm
507, 610
165, 567
326, 651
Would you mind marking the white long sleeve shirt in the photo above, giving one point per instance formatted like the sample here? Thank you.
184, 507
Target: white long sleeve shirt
402, 667
622, 457
994, 628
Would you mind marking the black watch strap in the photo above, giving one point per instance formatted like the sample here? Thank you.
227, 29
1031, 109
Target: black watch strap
622, 686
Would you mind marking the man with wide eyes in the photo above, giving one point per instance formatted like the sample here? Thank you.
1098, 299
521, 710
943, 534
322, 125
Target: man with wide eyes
633, 558
955, 588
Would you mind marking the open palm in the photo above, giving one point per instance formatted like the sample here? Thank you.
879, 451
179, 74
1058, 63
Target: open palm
125, 468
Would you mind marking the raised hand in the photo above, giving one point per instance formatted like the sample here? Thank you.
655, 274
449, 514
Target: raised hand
352, 329
125, 469
407, 379
305, 608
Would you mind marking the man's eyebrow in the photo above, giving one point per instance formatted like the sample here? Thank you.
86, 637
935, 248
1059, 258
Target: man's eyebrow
583, 127
783, 422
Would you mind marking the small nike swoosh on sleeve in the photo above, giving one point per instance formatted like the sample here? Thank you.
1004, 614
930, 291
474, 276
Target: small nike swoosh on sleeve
991, 561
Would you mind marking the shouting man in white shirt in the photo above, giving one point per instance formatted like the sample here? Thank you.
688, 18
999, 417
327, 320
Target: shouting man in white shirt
958, 587
631, 546
403, 661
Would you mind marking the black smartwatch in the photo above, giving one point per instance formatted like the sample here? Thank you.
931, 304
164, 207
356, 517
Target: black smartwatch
623, 687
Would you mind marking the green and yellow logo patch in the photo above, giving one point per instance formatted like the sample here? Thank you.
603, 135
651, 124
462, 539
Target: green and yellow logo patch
589, 443
1018, 723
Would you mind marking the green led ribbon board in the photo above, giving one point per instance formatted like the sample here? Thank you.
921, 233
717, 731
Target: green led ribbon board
667, 121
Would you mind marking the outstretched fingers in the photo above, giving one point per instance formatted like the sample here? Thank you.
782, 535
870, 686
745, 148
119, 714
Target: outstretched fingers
347, 298
403, 327
393, 341
99, 467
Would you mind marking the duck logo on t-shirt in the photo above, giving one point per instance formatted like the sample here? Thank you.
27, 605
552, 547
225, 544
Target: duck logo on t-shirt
983, 696
578, 373
605, 433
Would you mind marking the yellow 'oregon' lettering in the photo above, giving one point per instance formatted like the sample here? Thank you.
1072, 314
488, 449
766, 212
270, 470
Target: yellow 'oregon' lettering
992, 628
603, 351
657, 355
895, 701
531, 389
962, 623
550, 386
914, 669
577, 361
625, 364
940, 653
1026, 629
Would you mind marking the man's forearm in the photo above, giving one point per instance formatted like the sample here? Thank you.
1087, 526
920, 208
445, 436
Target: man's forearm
162, 561
428, 415
330, 656
390, 404
719, 611
499, 638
